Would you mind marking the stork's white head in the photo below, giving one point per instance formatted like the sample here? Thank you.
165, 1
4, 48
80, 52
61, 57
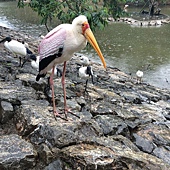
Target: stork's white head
81, 25
78, 23
79, 20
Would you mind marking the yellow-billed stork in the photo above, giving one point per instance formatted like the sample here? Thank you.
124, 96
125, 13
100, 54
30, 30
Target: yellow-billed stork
17, 48
59, 45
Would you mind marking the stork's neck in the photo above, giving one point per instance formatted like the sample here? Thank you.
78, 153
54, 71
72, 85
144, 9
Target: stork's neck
78, 40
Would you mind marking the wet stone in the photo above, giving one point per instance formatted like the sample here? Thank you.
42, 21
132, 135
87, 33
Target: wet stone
15, 94
101, 108
143, 144
162, 153
6, 111
56, 165
16, 153
108, 153
45, 154
131, 97
29, 80
150, 96
111, 124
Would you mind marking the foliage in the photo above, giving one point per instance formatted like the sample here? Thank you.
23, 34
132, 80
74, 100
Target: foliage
66, 10
113, 7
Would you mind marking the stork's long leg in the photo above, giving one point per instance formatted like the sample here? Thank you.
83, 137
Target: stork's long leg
56, 114
64, 92
64, 89
52, 88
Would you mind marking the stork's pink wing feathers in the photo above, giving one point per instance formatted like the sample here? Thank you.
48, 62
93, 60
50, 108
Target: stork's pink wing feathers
52, 42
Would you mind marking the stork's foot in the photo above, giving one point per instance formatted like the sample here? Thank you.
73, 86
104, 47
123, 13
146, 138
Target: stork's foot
66, 110
56, 114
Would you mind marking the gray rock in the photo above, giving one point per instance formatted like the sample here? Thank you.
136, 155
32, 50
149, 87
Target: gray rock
29, 80
144, 144
16, 153
131, 97
99, 108
162, 153
45, 154
106, 153
15, 94
56, 165
42, 127
6, 111
111, 124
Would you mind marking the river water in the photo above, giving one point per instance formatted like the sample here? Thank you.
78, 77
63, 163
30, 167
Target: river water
125, 47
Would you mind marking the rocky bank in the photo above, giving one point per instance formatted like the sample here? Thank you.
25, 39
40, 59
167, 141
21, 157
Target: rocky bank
123, 125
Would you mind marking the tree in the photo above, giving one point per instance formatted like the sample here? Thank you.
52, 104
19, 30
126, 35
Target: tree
113, 7
153, 7
66, 10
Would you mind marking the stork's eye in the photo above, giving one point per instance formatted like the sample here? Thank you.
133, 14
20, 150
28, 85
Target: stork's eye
82, 25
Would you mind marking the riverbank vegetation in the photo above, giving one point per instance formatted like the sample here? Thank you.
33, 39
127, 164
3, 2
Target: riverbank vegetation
66, 10
96, 11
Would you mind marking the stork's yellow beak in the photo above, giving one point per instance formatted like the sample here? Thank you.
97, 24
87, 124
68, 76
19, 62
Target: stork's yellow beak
92, 40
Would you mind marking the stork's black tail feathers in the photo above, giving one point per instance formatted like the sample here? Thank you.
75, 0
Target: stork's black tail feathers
29, 51
39, 76
46, 61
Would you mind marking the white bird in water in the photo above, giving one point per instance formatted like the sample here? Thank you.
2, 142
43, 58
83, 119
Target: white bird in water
17, 48
85, 73
139, 76
59, 45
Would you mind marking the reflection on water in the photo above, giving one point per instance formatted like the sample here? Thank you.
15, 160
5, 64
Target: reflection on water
125, 47
132, 48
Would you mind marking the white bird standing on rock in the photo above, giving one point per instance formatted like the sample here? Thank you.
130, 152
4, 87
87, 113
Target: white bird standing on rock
125, 7
84, 60
85, 73
59, 45
25, 44
139, 76
17, 48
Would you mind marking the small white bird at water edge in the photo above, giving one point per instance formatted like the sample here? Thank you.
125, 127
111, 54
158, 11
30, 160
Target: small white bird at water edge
139, 76
83, 60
